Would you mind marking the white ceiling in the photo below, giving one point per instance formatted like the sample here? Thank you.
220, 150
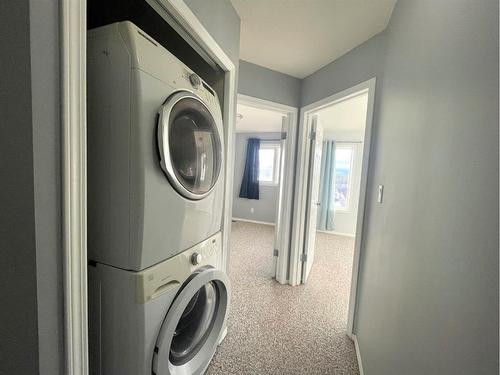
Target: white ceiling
346, 116
297, 37
256, 120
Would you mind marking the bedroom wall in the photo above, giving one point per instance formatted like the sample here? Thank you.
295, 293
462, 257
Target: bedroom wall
264, 208
428, 288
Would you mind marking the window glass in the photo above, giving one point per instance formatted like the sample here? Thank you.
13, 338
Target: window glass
266, 164
269, 160
343, 171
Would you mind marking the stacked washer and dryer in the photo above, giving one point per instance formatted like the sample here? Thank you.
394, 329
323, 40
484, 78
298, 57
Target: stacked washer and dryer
158, 299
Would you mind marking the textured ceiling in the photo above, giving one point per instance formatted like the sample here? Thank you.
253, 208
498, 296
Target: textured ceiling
298, 37
256, 120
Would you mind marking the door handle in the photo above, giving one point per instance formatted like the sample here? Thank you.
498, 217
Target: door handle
203, 163
164, 288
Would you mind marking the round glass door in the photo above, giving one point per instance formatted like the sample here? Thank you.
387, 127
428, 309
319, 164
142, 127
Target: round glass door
192, 327
190, 145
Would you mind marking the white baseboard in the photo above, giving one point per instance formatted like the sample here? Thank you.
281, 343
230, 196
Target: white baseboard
358, 354
336, 233
253, 221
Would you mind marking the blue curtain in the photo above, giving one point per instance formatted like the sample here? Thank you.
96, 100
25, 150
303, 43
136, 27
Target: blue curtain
326, 212
250, 183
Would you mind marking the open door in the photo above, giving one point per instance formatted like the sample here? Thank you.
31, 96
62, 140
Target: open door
312, 198
278, 230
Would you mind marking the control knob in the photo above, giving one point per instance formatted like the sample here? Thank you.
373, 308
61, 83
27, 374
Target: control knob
195, 259
194, 80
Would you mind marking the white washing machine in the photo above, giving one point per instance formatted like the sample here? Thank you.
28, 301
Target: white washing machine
155, 151
165, 320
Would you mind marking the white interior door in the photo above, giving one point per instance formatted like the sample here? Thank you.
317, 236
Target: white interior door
312, 198
278, 232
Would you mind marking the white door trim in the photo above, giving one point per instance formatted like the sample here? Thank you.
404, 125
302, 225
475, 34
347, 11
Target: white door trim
252, 101
73, 100
301, 178
281, 262
73, 32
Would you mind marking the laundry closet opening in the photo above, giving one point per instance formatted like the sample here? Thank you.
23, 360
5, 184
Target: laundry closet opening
158, 292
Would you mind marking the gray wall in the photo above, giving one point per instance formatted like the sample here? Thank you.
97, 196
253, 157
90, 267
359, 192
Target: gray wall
222, 22
46, 156
428, 293
265, 207
31, 313
18, 314
359, 65
263, 83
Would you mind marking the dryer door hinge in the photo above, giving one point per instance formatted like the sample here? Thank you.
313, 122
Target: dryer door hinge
303, 257
275, 252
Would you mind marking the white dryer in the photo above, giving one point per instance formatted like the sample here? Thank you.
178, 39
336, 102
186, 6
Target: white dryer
155, 151
166, 320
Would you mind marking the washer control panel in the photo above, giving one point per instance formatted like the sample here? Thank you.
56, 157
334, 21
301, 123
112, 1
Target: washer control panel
206, 251
196, 258
171, 273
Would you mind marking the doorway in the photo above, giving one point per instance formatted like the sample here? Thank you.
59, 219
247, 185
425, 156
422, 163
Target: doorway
334, 149
264, 153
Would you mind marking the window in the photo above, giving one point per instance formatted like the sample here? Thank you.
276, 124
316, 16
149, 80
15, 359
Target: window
269, 163
344, 156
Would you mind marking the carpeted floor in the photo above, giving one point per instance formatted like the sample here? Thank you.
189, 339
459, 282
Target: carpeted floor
277, 329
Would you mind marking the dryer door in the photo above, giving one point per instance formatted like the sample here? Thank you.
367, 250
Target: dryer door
189, 144
193, 325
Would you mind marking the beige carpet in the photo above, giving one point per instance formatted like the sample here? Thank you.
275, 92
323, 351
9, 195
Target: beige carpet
277, 329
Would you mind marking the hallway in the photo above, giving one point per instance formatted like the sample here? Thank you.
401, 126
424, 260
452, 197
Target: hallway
276, 329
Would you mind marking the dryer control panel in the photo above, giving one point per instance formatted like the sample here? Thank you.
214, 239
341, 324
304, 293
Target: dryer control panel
201, 88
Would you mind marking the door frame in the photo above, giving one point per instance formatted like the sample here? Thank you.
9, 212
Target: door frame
306, 266
301, 183
73, 44
281, 260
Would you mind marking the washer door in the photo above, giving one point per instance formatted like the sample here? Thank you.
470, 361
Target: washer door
189, 144
192, 327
